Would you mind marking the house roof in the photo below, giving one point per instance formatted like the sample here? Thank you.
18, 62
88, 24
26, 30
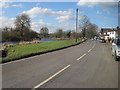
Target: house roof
104, 30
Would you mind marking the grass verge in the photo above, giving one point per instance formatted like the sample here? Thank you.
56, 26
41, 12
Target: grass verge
20, 51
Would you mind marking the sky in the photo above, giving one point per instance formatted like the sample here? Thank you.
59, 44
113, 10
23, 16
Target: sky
60, 15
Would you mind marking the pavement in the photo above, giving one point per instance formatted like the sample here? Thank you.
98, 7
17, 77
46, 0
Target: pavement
88, 65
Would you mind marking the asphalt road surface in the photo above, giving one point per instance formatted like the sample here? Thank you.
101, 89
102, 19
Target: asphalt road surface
88, 65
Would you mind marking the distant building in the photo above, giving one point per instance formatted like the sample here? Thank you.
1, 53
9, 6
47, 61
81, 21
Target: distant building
108, 33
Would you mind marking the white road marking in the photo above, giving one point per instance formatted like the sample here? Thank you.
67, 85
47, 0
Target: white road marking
34, 57
23, 59
81, 56
89, 50
85, 53
42, 83
28, 58
94, 45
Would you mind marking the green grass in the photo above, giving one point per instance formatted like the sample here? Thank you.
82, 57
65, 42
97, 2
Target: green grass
21, 50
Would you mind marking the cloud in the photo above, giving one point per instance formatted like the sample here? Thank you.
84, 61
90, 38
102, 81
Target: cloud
37, 25
45, 11
81, 17
38, 4
61, 16
4, 5
106, 11
17, 5
102, 3
2, 12
65, 18
68, 18
98, 12
6, 0
57, 13
9, 22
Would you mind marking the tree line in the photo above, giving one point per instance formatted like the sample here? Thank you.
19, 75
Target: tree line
23, 32
89, 30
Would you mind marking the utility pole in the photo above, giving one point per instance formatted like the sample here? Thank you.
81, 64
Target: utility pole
76, 22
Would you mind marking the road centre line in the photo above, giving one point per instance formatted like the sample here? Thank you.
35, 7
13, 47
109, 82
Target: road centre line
89, 50
94, 45
81, 57
45, 81
85, 53
33, 57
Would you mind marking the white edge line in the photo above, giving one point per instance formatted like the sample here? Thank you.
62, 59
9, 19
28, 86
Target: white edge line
20, 60
27, 58
81, 56
45, 81
31, 57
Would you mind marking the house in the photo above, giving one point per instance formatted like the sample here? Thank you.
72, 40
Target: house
106, 33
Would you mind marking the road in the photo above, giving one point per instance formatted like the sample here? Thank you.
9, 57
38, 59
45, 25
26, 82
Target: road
88, 65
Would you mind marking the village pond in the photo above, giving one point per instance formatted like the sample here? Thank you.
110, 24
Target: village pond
16, 42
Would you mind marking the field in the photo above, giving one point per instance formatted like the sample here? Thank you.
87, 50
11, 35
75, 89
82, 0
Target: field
22, 50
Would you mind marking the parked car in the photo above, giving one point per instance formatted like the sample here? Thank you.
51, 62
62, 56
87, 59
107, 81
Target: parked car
116, 48
101, 40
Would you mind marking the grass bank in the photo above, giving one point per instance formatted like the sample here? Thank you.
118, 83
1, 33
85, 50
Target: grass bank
19, 51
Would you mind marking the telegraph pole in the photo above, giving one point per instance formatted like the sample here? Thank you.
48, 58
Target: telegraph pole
76, 23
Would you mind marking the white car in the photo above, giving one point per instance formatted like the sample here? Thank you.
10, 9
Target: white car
116, 48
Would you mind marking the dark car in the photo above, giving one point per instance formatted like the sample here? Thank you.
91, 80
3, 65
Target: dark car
102, 40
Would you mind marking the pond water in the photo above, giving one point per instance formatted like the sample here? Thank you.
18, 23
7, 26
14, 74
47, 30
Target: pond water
48, 40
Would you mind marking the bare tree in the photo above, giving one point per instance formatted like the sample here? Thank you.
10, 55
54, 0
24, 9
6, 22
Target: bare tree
84, 23
22, 23
91, 30
59, 33
44, 32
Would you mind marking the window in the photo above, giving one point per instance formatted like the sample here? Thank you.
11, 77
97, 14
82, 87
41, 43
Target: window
114, 41
106, 33
118, 42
